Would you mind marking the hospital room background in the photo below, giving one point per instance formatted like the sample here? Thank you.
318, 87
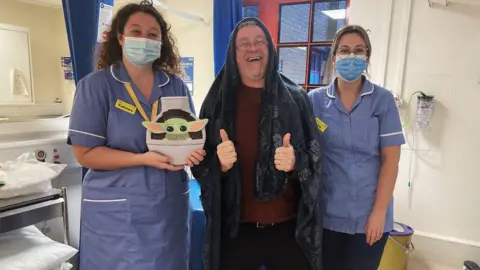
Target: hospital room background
425, 51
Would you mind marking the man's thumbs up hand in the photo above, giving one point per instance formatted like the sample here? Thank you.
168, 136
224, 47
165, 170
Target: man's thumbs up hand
226, 152
285, 155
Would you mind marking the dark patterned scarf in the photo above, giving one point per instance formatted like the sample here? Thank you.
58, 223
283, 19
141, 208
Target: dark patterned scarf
285, 108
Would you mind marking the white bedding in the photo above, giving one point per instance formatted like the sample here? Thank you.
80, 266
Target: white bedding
25, 175
28, 248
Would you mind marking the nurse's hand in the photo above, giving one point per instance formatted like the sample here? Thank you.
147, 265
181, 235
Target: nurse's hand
196, 157
285, 156
156, 160
226, 152
375, 226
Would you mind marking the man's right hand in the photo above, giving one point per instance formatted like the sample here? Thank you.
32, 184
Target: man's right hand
226, 152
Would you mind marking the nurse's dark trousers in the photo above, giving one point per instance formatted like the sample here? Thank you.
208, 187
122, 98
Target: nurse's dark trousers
343, 251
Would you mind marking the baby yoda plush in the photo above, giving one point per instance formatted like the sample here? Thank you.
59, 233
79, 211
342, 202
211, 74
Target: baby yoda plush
176, 128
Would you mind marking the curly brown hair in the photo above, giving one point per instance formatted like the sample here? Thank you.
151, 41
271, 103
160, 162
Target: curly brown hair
111, 51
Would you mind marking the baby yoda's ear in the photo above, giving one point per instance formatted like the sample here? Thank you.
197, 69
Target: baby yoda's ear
156, 128
198, 125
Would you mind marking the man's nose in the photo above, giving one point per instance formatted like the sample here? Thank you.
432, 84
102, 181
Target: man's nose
253, 47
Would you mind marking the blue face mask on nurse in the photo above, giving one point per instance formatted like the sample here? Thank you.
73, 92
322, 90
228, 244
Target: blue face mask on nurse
351, 65
140, 51
135, 202
141, 47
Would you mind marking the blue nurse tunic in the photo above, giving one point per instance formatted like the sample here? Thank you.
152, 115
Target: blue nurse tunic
352, 143
132, 218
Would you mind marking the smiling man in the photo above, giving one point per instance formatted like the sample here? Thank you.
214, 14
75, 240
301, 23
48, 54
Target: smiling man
260, 183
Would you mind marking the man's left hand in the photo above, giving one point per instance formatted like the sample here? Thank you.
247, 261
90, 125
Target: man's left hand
285, 156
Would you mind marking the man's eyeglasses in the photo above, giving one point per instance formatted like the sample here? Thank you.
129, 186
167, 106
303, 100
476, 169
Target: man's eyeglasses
246, 46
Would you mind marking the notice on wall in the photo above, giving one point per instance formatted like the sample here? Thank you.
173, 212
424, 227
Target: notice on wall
67, 68
187, 65
66, 62
105, 14
68, 74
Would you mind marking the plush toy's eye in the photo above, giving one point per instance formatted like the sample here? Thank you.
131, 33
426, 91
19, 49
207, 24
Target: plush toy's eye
170, 129
183, 128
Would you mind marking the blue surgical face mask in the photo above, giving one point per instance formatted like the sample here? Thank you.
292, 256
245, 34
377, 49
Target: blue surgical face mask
141, 51
351, 67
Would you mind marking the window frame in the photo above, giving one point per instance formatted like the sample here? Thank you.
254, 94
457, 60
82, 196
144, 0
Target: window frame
269, 11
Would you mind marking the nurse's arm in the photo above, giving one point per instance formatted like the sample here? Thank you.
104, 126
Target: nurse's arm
388, 176
391, 139
104, 158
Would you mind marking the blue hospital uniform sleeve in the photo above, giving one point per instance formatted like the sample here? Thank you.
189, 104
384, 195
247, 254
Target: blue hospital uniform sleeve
390, 126
88, 119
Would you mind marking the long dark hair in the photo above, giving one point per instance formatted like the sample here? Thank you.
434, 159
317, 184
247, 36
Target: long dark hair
111, 51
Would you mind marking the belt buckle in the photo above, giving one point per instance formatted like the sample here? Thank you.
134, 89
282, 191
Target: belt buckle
261, 226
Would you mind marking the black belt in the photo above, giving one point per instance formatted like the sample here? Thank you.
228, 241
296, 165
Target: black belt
262, 225
259, 225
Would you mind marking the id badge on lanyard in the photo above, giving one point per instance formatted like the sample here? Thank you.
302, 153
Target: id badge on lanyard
140, 109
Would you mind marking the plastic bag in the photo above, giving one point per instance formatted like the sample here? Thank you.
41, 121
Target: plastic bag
26, 175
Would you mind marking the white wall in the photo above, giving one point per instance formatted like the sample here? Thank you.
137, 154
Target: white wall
433, 49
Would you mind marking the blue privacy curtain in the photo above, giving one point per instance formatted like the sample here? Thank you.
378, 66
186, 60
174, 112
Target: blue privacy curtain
226, 15
81, 19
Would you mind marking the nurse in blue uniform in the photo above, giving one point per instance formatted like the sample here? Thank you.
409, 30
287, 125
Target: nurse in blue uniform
135, 208
361, 134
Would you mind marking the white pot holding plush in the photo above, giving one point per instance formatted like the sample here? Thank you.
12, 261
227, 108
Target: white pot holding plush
176, 132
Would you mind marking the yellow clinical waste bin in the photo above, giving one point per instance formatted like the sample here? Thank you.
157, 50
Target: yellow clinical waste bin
399, 244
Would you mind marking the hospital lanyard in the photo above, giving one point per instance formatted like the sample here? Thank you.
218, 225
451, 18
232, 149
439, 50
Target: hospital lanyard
139, 106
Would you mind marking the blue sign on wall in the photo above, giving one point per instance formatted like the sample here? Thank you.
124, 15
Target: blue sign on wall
187, 66
66, 62
68, 74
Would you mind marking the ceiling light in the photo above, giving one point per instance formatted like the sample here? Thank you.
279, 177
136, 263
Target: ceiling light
336, 14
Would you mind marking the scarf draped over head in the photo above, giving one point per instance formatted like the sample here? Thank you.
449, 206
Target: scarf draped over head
285, 108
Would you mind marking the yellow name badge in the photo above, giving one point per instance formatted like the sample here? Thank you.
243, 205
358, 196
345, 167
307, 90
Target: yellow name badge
122, 105
321, 125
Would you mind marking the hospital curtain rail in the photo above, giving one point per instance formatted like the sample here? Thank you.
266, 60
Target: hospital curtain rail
226, 15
